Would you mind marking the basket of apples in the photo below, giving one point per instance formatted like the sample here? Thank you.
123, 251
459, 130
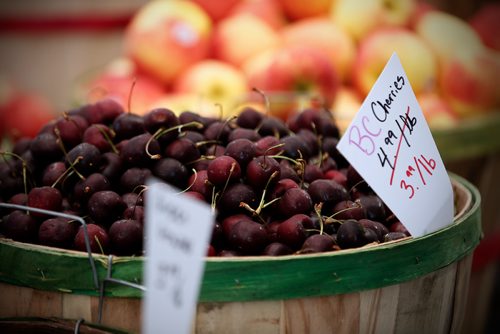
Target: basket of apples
300, 241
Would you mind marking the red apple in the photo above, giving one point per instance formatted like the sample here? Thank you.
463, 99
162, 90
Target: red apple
122, 82
324, 34
25, 113
241, 36
486, 22
165, 37
296, 69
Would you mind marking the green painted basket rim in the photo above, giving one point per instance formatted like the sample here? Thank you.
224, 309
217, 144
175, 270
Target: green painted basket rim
259, 278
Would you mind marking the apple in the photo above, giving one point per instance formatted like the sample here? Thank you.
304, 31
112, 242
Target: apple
217, 9
294, 69
121, 81
486, 22
437, 111
359, 17
215, 81
300, 9
165, 37
241, 36
345, 106
24, 113
448, 35
469, 81
269, 11
324, 34
418, 59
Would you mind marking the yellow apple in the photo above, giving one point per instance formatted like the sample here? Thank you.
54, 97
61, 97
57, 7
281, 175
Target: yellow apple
324, 34
437, 111
165, 37
299, 9
359, 17
418, 60
241, 36
448, 35
215, 81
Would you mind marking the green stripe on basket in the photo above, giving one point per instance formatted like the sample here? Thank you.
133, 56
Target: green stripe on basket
259, 278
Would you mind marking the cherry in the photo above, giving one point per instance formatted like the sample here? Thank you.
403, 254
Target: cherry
291, 232
347, 209
46, 198
19, 226
133, 179
199, 182
260, 170
58, 232
377, 227
268, 145
313, 172
133, 199
399, 227
337, 176
222, 170
295, 201
272, 126
46, 147
160, 118
85, 188
171, 171
235, 194
248, 237
99, 135
287, 171
317, 243
249, 118
230, 221
103, 111
327, 192
127, 125
183, 149
373, 206
140, 151
391, 236
240, 133
98, 239
53, 173
70, 129
242, 150
295, 148
126, 237
351, 234
105, 207
84, 158
277, 249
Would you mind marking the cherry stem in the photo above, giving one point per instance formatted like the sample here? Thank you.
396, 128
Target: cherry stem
129, 100
99, 244
357, 206
192, 183
357, 184
162, 131
108, 139
59, 141
317, 210
262, 203
72, 166
266, 100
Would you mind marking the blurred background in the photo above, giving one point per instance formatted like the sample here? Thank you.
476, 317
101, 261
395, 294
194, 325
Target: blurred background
202, 54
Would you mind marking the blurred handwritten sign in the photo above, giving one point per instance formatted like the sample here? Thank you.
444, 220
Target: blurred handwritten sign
178, 230
390, 144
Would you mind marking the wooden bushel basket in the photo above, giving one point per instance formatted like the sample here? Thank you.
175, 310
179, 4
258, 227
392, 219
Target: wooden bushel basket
416, 285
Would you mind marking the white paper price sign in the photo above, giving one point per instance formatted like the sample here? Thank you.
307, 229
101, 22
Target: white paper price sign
390, 144
178, 230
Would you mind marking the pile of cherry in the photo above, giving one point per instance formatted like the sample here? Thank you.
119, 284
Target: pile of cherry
276, 187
